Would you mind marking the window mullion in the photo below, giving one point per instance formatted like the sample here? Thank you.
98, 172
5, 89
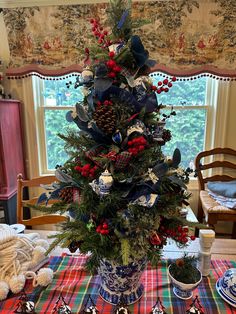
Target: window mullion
67, 108
187, 107
40, 123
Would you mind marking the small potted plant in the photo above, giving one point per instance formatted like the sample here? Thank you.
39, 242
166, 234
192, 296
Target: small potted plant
185, 276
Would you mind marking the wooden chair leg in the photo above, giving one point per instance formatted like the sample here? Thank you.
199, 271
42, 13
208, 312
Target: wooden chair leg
212, 221
200, 212
200, 215
211, 226
234, 231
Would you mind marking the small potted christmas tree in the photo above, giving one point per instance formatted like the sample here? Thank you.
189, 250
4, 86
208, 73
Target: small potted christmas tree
123, 193
185, 276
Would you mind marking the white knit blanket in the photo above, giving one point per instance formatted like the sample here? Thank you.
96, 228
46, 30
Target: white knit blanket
20, 254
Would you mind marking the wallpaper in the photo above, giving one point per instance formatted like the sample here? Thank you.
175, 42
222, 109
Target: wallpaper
180, 35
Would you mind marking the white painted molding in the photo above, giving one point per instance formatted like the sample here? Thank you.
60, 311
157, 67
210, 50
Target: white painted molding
222, 113
32, 161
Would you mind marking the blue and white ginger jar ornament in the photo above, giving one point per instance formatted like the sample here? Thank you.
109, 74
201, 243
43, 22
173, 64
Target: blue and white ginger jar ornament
105, 183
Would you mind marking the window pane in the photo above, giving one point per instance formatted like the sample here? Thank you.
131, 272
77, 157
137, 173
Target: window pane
182, 93
55, 122
56, 92
188, 133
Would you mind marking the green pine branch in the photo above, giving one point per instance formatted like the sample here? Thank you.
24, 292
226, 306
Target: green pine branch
115, 13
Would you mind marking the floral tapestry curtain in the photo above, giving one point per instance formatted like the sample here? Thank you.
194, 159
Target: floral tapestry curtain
185, 37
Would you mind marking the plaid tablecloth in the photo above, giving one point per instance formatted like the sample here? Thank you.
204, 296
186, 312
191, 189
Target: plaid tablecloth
75, 284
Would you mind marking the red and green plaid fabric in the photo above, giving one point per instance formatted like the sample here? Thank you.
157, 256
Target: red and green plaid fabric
122, 160
75, 284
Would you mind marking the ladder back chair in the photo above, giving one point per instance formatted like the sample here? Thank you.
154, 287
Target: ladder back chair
220, 166
22, 203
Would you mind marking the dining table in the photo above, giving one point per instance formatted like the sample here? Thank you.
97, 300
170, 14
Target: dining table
73, 284
222, 248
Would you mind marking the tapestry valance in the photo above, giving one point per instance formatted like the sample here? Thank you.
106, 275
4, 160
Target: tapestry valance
185, 37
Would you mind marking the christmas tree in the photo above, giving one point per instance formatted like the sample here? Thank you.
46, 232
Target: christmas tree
123, 194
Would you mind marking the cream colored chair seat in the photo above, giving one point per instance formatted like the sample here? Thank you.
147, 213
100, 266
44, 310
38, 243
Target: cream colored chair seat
218, 164
209, 205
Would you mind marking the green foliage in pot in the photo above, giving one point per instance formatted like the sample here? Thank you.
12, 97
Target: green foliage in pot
184, 269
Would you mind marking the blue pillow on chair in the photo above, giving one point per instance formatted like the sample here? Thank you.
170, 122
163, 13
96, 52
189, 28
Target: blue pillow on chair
227, 189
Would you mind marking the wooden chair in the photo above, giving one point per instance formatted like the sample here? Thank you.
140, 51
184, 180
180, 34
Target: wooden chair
22, 203
220, 166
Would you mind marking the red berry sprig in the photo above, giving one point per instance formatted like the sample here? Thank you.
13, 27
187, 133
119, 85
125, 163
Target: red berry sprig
105, 103
113, 67
103, 228
179, 234
100, 34
163, 86
137, 145
87, 170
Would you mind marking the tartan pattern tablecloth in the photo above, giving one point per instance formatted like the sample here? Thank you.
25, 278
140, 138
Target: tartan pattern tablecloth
75, 284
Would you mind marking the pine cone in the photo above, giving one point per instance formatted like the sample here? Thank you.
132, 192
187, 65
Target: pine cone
105, 119
66, 195
166, 135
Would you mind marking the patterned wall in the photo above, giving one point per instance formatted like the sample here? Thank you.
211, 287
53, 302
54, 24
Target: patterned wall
182, 35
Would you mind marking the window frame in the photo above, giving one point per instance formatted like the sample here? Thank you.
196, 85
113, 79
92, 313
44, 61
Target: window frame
216, 115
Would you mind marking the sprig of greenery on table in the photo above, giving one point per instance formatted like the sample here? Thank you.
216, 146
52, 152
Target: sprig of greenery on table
185, 269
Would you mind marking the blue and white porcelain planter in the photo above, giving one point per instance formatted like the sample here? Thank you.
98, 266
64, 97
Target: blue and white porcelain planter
183, 290
117, 280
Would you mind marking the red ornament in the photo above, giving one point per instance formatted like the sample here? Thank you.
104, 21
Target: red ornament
111, 74
137, 145
106, 102
103, 228
87, 170
117, 68
153, 87
111, 54
111, 64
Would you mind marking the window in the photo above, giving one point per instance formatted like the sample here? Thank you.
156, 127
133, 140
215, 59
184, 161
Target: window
187, 127
195, 103
55, 101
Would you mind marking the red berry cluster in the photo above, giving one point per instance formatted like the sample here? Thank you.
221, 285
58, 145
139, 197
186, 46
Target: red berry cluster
137, 145
87, 170
105, 103
179, 234
103, 228
163, 86
113, 67
100, 34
